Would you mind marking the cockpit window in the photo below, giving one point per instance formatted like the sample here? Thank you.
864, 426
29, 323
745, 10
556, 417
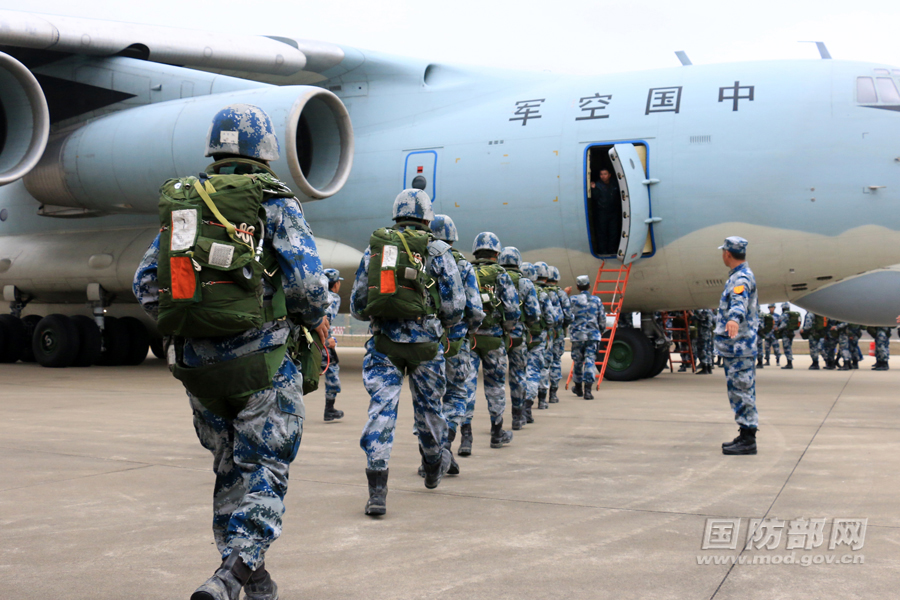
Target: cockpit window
865, 90
887, 90
882, 72
897, 72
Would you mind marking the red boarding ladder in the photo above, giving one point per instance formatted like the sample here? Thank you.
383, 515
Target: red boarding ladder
679, 335
610, 285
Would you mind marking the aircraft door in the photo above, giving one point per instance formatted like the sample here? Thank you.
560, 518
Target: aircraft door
420, 171
635, 201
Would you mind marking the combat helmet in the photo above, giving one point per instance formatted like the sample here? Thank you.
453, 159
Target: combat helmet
583, 282
413, 204
543, 270
786, 307
510, 257
333, 276
245, 130
553, 274
487, 241
444, 229
529, 271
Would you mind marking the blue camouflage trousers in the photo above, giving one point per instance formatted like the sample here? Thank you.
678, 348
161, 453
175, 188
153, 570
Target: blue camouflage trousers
557, 350
456, 397
533, 368
383, 380
828, 348
788, 343
855, 351
332, 374
760, 346
546, 359
815, 346
740, 375
493, 365
844, 346
251, 457
882, 345
772, 346
584, 359
518, 382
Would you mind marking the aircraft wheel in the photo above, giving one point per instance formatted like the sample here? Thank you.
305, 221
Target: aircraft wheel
55, 343
660, 361
89, 348
115, 343
138, 341
12, 338
158, 348
27, 352
631, 356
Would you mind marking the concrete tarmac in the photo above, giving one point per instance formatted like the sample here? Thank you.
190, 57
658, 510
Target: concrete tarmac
106, 493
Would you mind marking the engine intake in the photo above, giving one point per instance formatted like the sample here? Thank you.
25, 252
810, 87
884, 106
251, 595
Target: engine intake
117, 163
24, 120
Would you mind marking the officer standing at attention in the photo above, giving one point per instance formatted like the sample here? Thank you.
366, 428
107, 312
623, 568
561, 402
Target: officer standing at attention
408, 287
537, 345
501, 315
588, 323
559, 338
458, 357
329, 353
530, 313
772, 336
543, 273
736, 325
244, 389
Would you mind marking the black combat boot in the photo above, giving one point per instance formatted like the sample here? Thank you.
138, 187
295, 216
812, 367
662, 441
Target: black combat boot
759, 362
377, 504
542, 400
465, 439
499, 437
777, 361
876, 365
788, 365
588, 386
454, 466
529, 404
882, 367
435, 471
518, 418
745, 443
553, 399
331, 413
260, 586
829, 365
854, 364
814, 366
226, 582
767, 361
577, 389
844, 366
683, 368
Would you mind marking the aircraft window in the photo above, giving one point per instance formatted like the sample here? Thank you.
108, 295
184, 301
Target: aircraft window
865, 90
887, 90
882, 72
896, 71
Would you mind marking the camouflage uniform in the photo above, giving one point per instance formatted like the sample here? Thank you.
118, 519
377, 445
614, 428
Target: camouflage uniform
588, 323
853, 333
461, 366
883, 345
772, 345
383, 379
739, 304
329, 355
495, 361
535, 371
518, 355
559, 341
550, 337
786, 335
706, 323
252, 452
830, 339
814, 338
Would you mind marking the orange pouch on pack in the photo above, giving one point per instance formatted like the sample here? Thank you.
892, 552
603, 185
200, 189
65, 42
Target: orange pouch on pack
184, 282
388, 282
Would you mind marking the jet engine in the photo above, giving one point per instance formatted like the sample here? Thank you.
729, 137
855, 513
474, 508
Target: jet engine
24, 120
117, 163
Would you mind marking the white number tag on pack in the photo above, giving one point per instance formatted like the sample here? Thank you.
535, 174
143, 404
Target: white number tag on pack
389, 257
184, 229
220, 255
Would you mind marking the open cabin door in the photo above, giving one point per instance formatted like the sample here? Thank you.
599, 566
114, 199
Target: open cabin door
635, 201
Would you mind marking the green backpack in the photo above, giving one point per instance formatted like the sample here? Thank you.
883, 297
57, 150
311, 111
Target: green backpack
793, 323
486, 273
768, 322
211, 261
399, 285
821, 323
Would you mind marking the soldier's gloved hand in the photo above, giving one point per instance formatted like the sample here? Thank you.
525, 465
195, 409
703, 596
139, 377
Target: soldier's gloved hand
322, 331
732, 328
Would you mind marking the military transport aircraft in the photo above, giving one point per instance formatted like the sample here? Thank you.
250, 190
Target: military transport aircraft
800, 157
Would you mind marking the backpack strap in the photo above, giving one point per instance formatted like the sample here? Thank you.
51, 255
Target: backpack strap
205, 195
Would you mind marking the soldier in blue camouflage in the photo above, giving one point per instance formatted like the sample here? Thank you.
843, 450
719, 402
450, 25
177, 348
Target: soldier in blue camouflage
760, 340
588, 323
530, 313
410, 346
330, 363
843, 344
559, 339
737, 322
543, 273
501, 308
786, 334
537, 345
854, 331
459, 357
251, 452
772, 337
808, 331
832, 334
706, 324
882, 348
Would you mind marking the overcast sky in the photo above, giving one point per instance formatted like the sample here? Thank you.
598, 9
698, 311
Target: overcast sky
571, 36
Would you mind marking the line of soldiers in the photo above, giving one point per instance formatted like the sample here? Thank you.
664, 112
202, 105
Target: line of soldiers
438, 318
837, 343
774, 328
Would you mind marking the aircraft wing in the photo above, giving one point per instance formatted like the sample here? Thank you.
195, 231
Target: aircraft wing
258, 58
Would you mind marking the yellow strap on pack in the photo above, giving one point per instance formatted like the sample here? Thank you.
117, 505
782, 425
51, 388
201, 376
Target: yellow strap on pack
406, 247
204, 194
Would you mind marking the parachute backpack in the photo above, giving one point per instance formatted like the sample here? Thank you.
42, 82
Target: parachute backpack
211, 259
486, 274
399, 286
768, 322
793, 322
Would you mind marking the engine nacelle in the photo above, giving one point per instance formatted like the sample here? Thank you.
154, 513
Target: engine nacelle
117, 163
24, 120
